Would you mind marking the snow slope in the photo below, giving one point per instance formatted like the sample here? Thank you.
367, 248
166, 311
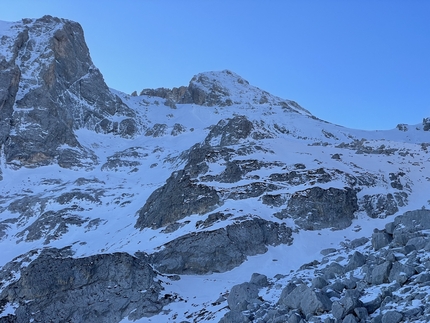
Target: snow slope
121, 189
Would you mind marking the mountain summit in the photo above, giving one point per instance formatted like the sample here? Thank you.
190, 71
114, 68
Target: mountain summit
215, 201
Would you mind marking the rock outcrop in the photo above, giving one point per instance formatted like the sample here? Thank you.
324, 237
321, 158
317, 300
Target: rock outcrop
54, 288
317, 208
179, 197
49, 88
220, 250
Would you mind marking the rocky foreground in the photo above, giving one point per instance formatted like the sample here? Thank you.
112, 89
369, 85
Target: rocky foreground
383, 278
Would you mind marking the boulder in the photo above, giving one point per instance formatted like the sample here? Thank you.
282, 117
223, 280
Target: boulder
380, 239
400, 272
392, 317
242, 295
319, 282
307, 301
357, 260
259, 280
380, 273
234, 317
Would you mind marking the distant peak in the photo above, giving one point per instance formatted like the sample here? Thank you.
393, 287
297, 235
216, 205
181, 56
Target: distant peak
221, 88
225, 77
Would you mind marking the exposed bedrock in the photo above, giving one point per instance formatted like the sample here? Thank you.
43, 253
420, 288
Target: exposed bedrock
316, 208
50, 87
53, 288
220, 250
179, 197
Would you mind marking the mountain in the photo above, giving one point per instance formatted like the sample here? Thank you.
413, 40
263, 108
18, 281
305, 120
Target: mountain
215, 201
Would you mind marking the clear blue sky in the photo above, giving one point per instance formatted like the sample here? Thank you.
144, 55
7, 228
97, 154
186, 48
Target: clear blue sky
362, 64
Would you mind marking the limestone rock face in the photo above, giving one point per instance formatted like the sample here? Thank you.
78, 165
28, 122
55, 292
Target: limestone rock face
220, 250
54, 288
317, 208
179, 197
49, 88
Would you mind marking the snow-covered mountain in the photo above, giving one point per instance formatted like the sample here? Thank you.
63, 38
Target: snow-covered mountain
215, 201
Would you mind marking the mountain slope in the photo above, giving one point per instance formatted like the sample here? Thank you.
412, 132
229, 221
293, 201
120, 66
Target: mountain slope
191, 190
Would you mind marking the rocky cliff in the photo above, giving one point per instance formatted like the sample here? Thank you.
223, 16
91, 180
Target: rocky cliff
49, 88
215, 201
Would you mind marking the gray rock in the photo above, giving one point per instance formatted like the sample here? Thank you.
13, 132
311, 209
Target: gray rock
307, 301
253, 189
275, 200
361, 313
242, 295
333, 270
418, 242
358, 242
126, 159
174, 94
178, 129
299, 176
373, 304
259, 280
423, 277
400, 272
317, 208
329, 320
413, 220
426, 124
220, 250
295, 318
380, 273
357, 260
350, 318
392, 317
377, 319
213, 218
56, 289
389, 228
338, 311
234, 317
286, 291
8, 319
51, 225
338, 286
380, 239
39, 118
230, 132
347, 304
179, 197
328, 251
351, 283
157, 130
379, 205
319, 282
